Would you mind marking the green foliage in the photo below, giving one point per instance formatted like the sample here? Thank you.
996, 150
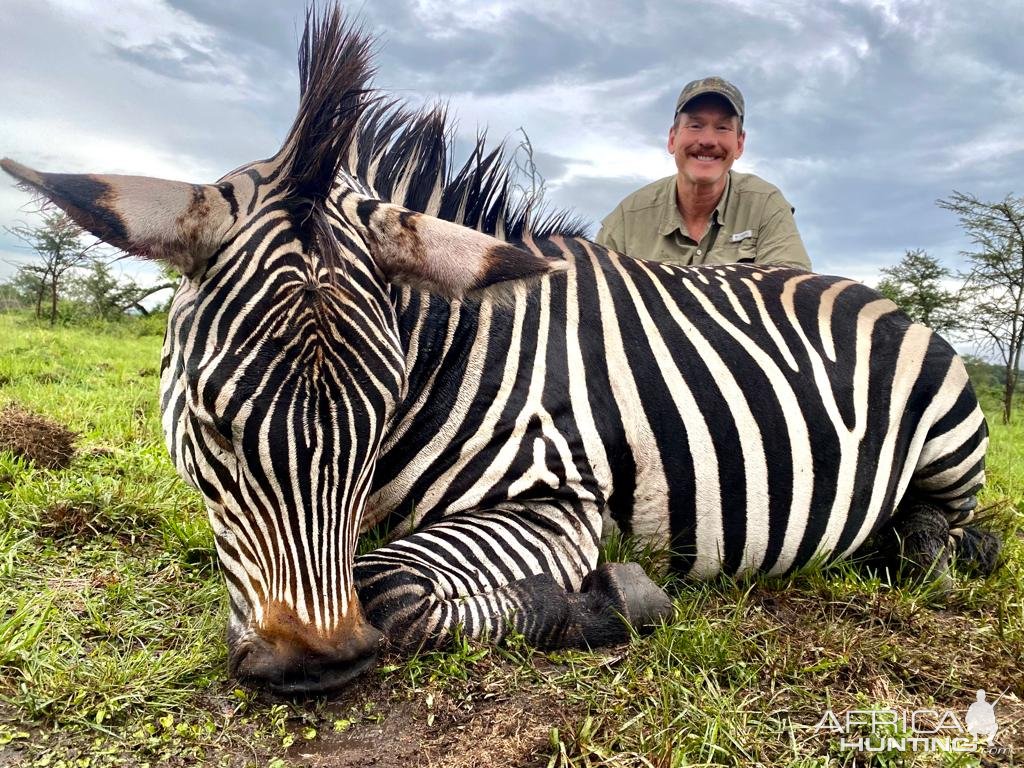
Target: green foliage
988, 379
993, 292
21, 291
65, 281
96, 294
102, 293
59, 249
442, 667
112, 615
915, 284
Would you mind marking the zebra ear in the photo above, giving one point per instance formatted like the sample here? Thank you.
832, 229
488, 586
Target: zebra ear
182, 224
437, 255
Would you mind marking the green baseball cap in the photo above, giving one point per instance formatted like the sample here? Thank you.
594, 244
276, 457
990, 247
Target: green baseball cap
715, 85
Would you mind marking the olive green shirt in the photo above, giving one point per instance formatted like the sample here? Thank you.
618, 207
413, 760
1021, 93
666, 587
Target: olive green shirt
752, 223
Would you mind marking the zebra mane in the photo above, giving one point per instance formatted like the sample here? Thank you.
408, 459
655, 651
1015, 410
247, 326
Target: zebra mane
406, 158
400, 156
334, 73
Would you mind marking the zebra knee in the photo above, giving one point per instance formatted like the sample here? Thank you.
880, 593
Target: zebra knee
396, 601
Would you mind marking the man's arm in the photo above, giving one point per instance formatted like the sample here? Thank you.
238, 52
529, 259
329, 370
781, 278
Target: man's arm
778, 240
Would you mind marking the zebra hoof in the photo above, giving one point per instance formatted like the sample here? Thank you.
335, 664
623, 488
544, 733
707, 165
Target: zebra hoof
631, 592
977, 551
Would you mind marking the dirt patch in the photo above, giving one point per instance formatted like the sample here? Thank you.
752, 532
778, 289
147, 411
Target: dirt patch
513, 731
41, 441
485, 722
396, 740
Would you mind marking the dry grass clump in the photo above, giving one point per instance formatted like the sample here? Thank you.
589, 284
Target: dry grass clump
71, 520
41, 441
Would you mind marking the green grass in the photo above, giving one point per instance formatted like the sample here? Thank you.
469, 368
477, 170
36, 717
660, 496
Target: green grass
112, 617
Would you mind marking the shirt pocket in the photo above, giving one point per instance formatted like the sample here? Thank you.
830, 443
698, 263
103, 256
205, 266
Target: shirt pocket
748, 249
730, 253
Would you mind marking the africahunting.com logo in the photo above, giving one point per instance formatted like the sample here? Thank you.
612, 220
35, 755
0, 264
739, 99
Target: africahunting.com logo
914, 730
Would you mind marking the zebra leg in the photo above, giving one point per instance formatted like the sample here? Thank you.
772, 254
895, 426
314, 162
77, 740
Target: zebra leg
950, 473
914, 546
449, 578
977, 550
923, 541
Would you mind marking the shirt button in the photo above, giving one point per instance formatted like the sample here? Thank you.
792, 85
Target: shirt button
700, 252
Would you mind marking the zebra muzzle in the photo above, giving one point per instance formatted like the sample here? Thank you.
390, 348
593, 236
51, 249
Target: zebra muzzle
292, 658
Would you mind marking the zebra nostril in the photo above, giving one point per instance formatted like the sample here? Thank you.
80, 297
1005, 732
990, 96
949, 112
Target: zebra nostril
249, 658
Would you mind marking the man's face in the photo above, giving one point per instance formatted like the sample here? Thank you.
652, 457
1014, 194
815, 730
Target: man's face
705, 140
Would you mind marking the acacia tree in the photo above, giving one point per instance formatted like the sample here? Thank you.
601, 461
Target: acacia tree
108, 296
993, 293
58, 244
915, 284
30, 283
100, 290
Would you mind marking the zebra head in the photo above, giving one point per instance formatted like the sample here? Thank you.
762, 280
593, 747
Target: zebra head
282, 359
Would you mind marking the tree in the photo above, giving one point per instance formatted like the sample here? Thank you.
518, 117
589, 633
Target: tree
58, 243
10, 297
31, 287
915, 284
99, 290
993, 293
103, 294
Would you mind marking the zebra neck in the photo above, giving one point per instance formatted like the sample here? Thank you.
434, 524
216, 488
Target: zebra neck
436, 335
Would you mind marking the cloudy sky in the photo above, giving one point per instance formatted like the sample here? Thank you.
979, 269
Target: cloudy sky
863, 112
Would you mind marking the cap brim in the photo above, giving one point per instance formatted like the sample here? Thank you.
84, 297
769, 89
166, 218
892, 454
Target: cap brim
705, 92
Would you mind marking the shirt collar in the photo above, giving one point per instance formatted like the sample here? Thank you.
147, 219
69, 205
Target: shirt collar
672, 220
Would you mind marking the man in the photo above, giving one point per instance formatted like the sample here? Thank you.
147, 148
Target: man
707, 213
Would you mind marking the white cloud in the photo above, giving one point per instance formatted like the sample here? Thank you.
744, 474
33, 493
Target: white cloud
446, 18
572, 119
863, 112
42, 143
154, 27
137, 22
987, 152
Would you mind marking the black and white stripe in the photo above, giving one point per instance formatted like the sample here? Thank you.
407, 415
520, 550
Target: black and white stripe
750, 419
369, 336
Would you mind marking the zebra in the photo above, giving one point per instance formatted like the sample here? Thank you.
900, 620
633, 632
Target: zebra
366, 337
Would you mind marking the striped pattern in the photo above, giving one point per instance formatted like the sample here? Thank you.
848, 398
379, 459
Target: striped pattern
497, 424
276, 384
750, 419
